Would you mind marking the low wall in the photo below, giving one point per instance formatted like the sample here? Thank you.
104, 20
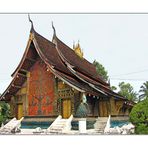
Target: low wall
124, 118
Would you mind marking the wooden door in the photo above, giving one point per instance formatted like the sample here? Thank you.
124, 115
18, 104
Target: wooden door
66, 108
19, 111
104, 109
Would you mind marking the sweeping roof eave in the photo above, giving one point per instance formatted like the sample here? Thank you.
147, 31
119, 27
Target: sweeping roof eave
79, 64
47, 51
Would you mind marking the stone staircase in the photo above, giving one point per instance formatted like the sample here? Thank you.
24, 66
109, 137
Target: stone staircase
100, 124
60, 125
12, 126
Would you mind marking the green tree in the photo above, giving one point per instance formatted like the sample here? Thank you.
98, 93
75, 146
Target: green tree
139, 117
4, 112
113, 88
127, 91
101, 70
143, 91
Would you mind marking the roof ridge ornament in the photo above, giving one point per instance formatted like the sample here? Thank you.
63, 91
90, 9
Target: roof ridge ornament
54, 31
54, 34
30, 22
78, 50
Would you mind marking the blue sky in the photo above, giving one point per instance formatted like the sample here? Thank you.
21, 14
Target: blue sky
118, 41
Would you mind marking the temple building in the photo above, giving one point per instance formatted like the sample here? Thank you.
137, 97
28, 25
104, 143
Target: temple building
51, 79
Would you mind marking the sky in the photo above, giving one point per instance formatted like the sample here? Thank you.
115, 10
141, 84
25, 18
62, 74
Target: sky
118, 41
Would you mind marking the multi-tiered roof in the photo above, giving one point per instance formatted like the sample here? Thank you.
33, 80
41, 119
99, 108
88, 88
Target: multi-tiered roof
63, 62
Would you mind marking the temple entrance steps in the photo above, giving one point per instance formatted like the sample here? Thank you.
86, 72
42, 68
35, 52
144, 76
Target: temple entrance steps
60, 125
12, 126
100, 124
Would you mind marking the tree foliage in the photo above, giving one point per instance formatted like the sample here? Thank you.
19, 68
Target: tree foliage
143, 91
113, 88
127, 91
4, 112
101, 70
139, 117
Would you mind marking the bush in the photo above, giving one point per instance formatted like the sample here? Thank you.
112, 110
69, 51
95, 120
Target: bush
139, 117
141, 129
4, 112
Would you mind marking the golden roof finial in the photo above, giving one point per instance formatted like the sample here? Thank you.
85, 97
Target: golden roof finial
78, 49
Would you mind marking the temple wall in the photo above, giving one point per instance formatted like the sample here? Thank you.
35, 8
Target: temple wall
116, 108
113, 108
77, 100
19, 99
96, 108
90, 102
41, 91
66, 99
43, 94
12, 104
104, 108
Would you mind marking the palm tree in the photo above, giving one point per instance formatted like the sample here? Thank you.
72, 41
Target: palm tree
144, 91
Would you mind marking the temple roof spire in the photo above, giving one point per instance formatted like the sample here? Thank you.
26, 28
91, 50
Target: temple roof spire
78, 50
32, 27
54, 31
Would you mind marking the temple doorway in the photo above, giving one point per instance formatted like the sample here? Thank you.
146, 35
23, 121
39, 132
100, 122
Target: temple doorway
66, 108
19, 110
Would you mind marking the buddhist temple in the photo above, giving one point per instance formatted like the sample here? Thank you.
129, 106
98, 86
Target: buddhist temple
51, 79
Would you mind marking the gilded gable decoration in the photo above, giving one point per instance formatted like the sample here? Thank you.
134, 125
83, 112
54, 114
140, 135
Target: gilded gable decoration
78, 50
